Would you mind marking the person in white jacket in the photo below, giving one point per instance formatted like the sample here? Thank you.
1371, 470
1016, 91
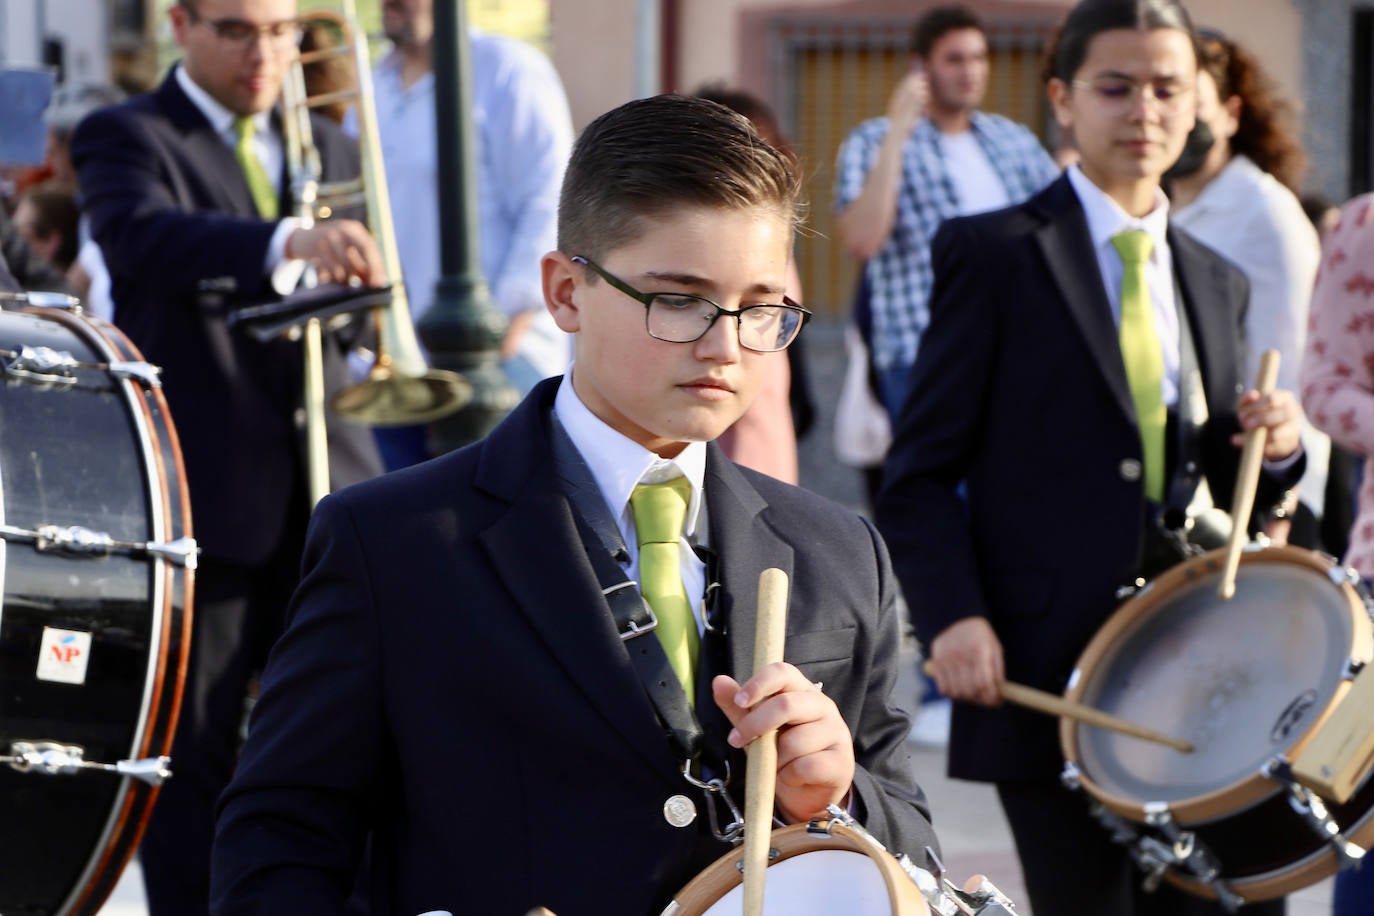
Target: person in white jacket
1235, 189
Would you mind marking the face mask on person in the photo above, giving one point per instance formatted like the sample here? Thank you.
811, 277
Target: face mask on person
1199, 144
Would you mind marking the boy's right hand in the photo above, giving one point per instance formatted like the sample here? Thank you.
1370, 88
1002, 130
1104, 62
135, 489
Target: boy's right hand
966, 662
907, 105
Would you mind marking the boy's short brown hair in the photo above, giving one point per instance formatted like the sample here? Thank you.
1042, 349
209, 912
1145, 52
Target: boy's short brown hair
653, 155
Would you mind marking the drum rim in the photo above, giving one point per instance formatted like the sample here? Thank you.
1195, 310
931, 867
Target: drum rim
1256, 787
723, 875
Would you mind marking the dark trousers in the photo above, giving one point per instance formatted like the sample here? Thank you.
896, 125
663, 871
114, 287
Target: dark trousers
238, 614
1071, 865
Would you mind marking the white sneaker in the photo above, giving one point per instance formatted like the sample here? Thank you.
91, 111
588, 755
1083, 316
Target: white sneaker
930, 727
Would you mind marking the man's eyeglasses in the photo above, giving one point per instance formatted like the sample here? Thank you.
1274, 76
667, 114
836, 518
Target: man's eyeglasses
1120, 93
243, 34
681, 318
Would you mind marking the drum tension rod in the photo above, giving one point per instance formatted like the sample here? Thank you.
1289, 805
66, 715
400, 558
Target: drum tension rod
52, 758
57, 367
77, 542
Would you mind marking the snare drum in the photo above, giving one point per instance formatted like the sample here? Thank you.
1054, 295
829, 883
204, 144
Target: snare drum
1249, 682
96, 565
818, 871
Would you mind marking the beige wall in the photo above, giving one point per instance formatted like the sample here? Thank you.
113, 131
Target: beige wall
593, 42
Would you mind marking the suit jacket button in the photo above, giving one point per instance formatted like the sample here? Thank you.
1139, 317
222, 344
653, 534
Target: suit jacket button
1130, 469
679, 811
299, 418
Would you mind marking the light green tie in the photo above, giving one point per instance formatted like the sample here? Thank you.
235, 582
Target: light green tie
259, 185
1143, 354
659, 510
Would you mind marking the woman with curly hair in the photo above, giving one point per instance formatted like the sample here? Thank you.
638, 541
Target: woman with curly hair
1235, 188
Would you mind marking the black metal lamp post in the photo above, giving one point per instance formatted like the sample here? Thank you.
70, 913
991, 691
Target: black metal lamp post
463, 329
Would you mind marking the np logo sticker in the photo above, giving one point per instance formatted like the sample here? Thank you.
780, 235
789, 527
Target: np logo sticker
63, 656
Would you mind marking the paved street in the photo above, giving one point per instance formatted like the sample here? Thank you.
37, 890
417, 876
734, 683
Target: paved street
968, 819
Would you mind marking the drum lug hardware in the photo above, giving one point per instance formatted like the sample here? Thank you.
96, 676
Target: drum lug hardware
1072, 777
1122, 831
1309, 806
42, 298
52, 758
147, 374
42, 364
73, 540
1353, 666
76, 542
1183, 851
773, 853
1123, 592
1342, 575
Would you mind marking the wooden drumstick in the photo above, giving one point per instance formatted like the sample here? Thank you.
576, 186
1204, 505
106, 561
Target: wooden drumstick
1054, 705
761, 772
1251, 456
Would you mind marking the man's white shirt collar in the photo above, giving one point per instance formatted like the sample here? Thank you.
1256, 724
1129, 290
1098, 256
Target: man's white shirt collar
619, 464
220, 118
1106, 218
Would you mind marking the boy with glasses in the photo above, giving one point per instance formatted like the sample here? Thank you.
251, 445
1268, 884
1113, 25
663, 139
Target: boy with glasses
460, 650
187, 196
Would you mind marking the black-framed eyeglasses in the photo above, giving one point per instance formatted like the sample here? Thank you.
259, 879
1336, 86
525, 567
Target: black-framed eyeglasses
243, 34
683, 318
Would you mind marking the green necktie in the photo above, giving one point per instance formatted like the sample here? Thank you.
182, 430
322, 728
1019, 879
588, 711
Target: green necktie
264, 194
659, 510
1143, 355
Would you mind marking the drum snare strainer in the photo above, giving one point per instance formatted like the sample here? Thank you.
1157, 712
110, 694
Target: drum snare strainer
1249, 682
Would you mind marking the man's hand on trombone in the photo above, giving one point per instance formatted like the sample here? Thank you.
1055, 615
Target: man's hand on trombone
339, 249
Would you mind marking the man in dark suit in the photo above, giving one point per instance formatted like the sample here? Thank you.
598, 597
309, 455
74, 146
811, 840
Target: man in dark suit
1021, 490
452, 680
184, 188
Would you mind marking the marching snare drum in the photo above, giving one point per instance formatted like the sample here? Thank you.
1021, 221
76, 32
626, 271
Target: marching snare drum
1249, 682
829, 867
96, 565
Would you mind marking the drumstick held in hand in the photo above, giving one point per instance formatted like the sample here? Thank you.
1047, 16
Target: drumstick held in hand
1051, 704
761, 772
1246, 479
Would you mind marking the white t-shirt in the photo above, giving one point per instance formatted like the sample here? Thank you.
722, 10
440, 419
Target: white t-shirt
975, 181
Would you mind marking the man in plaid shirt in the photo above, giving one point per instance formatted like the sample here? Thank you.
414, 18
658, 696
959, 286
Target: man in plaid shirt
932, 157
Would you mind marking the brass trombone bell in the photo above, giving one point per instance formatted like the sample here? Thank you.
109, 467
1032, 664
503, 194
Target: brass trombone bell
388, 397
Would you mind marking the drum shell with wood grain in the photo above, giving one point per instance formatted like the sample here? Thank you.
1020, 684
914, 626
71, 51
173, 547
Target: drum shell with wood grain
1244, 681
93, 649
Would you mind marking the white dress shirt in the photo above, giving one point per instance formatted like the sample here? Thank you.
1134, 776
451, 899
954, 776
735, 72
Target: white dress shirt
267, 146
1257, 224
619, 464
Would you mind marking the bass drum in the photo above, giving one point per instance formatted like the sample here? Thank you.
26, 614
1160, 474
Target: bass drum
1247, 682
96, 563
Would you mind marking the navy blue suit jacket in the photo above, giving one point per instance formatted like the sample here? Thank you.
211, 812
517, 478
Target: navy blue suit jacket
184, 245
1019, 392
451, 679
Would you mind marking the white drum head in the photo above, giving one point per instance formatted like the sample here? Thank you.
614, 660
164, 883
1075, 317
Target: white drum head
825, 882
